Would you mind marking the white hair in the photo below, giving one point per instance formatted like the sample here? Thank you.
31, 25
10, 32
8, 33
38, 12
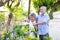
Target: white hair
44, 7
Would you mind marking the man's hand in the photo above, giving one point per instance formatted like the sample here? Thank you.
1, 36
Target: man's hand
39, 23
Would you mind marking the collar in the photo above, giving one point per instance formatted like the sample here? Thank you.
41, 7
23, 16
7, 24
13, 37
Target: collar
42, 14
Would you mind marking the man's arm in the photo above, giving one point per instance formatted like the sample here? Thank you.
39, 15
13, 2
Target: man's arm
39, 23
45, 20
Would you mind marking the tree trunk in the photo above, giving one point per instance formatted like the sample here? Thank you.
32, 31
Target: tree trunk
29, 8
51, 14
9, 21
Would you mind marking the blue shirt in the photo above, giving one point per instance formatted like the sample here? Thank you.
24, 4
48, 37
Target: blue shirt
43, 28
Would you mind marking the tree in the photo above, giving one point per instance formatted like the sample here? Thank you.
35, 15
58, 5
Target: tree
48, 3
29, 8
53, 8
1, 3
10, 5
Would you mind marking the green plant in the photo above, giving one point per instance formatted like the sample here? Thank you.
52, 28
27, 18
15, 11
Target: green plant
2, 16
48, 38
20, 32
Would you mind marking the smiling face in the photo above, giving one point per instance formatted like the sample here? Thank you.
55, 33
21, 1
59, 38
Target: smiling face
32, 18
43, 10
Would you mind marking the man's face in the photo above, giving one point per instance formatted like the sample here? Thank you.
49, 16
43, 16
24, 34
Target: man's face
42, 10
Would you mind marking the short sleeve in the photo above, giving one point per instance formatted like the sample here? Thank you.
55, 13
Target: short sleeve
36, 19
46, 19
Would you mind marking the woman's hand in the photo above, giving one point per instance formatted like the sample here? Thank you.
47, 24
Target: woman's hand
34, 24
28, 32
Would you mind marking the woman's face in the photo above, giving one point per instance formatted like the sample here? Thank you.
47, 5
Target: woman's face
32, 18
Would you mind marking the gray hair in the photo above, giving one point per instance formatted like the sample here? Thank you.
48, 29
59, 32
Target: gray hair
33, 15
44, 7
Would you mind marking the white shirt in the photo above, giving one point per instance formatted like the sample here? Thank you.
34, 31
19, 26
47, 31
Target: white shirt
30, 29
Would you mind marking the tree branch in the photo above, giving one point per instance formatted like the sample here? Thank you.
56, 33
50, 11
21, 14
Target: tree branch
18, 4
53, 9
8, 3
11, 4
1, 3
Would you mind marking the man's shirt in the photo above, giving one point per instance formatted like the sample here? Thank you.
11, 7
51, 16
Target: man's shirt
43, 28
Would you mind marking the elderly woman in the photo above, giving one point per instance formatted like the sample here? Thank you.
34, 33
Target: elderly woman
32, 28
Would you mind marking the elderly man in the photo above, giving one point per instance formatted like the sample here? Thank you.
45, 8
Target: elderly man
43, 23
